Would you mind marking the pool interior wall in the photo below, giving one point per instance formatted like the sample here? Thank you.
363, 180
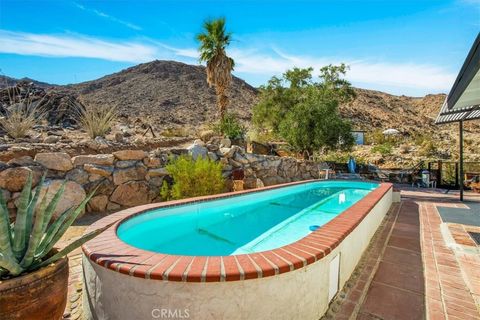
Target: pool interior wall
243, 224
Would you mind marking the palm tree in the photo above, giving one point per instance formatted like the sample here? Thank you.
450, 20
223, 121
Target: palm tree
213, 42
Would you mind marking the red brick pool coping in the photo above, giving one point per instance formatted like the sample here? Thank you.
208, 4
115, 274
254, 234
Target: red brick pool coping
108, 251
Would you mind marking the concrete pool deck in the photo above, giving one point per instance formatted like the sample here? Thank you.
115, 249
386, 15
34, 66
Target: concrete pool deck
409, 272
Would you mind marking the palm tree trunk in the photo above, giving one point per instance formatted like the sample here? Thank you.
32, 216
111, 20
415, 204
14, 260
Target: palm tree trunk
222, 101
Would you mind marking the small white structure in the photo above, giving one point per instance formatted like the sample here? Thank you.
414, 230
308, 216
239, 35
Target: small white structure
359, 136
391, 132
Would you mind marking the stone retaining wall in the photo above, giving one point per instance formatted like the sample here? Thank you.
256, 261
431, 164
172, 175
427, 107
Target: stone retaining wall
133, 177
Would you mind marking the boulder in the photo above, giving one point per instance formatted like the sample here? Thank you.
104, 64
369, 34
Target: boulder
130, 154
160, 172
225, 143
101, 159
259, 148
227, 152
72, 196
239, 158
51, 139
59, 161
249, 183
98, 203
22, 161
78, 175
125, 164
112, 206
197, 150
119, 137
131, 194
212, 155
103, 171
135, 173
13, 179
156, 181
94, 177
103, 186
152, 162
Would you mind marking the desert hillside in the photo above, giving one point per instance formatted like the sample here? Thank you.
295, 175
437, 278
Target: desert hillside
168, 93
175, 100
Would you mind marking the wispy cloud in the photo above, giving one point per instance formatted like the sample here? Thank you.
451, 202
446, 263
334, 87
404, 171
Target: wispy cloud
406, 77
71, 45
109, 17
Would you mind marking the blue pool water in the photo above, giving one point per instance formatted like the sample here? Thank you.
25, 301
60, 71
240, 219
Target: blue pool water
247, 223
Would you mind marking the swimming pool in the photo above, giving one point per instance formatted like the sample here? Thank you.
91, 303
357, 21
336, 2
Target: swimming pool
279, 252
242, 224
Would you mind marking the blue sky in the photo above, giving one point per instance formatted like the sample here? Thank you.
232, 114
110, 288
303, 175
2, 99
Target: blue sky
401, 47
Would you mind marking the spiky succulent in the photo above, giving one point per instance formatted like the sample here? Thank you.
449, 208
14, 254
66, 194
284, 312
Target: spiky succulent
27, 244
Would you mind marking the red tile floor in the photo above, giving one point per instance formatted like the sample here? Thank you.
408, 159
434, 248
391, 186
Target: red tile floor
410, 270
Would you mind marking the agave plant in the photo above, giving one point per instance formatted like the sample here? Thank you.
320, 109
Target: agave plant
27, 244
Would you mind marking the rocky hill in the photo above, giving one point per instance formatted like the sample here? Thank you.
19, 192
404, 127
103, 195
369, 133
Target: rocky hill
168, 93
175, 100
173, 94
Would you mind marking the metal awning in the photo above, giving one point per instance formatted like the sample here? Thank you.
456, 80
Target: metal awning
463, 101
455, 115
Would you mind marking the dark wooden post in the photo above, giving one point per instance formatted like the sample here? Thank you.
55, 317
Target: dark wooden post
439, 173
460, 125
457, 185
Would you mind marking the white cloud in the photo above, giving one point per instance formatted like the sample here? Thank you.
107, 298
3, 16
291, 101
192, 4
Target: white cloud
402, 77
75, 46
109, 17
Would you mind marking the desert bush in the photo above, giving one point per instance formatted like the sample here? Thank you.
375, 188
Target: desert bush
384, 149
230, 127
192, 178
97, 121
19, 122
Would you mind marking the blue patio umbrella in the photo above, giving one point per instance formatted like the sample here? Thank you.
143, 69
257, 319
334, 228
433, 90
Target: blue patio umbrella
351, 165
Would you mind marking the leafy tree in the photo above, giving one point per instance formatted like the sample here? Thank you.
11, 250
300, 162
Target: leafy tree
213, 42
304, 112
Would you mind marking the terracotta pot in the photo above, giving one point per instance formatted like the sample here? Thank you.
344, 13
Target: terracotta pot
40, 295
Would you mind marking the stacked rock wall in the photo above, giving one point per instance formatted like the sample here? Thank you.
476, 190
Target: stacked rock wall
133, 177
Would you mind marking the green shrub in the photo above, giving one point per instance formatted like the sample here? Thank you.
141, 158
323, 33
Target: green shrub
230, 127
192, 178
384, 149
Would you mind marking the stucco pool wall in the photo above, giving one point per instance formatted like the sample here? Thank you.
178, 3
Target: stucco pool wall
116, 288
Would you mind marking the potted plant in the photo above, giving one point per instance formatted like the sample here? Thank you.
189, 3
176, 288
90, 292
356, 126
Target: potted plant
33, 274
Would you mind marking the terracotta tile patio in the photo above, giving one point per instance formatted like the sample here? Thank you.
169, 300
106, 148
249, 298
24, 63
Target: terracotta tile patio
409, 272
